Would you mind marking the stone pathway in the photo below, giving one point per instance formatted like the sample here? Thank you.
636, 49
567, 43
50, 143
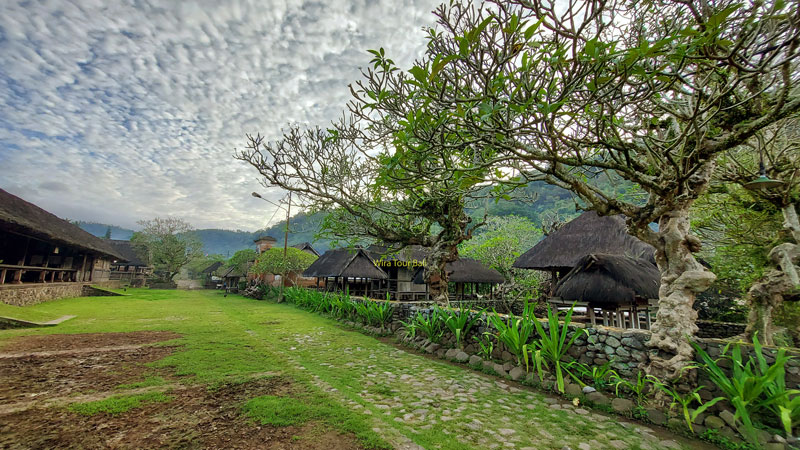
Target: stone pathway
427, 401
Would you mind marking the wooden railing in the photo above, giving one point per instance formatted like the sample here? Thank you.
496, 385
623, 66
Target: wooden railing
46, 274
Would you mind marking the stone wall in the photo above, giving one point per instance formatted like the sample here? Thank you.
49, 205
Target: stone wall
719, 330
626, 349
24, 295
31, 294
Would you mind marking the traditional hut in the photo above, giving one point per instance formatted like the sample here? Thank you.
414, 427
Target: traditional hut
306, 247
36, 247
587, 234
400, 267
232, 277
209, 276
618, 289
470, 278
349, 269
131, 269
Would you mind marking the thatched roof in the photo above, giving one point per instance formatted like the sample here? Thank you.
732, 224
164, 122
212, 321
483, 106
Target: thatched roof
610, 279
465, 270
306, 247
587, 234
265, 238
128, 252
234, 272
212, 268
345, 262
19, 216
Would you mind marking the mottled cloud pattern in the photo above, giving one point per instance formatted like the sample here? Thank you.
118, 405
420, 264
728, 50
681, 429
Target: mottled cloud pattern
116, 111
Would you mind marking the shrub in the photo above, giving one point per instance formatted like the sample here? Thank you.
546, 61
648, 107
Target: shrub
553, 344
459, 322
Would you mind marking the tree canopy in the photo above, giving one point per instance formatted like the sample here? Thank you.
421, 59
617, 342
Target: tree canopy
272, 261
167, 244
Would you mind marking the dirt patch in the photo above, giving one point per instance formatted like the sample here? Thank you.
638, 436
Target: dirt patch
36, 377
56, 342
196, 417
42, 375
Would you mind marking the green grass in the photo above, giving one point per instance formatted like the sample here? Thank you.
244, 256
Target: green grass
339, 378
118, 404
29, 313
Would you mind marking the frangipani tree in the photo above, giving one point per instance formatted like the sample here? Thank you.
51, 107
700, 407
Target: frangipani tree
651, 91
774, 151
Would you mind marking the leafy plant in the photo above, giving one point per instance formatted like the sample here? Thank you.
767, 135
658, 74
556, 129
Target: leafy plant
486, 345
686, 401
749, 388
459, 322
432, 324
599, 375
786, 402
516, 333
639, 389
553, 343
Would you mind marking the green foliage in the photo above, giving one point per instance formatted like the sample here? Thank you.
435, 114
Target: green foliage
753, 386
599, 375
486, 345
640, 389
168, 244
272, 261
118, 404
460, 321
514, 332
241, 260
431, 324
553, 343
685, 401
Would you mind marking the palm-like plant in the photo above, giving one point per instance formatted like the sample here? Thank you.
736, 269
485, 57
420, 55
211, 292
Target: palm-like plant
459, 322
553, 343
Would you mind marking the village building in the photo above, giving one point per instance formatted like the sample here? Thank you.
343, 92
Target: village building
43, 257
131, 269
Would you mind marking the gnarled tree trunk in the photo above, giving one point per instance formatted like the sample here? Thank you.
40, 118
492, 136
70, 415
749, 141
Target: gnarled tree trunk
436, 273
767, 294
682, 279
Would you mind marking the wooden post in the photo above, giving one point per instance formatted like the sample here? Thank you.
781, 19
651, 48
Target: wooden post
25, 253
3, 276
83, 269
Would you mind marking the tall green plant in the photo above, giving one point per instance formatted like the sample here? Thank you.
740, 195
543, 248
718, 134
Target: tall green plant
514, 334
749, 388
432, 324
553, 343
460, 321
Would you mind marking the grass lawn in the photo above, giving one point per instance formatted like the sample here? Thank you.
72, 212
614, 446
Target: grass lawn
340, 380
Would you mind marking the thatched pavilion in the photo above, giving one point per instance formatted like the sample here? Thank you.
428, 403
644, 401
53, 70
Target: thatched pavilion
347, 269
43, 257
400, 267
306, 247
616, 289
469, 277
587, 234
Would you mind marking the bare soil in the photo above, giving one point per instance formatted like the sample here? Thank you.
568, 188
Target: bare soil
196, 417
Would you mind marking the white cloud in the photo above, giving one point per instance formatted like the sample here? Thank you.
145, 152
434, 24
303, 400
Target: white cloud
117, 111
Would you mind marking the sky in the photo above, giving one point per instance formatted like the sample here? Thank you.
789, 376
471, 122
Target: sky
117, 111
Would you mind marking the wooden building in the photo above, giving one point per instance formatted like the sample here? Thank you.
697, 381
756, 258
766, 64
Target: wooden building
347, 269
616, 290
39, 249
306, 247
587, 234
130, 270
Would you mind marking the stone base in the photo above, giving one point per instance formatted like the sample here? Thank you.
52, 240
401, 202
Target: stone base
31, 294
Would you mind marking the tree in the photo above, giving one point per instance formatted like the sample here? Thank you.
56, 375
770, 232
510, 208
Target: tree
167, 244
108, 233
652, 92
780, 147
271, 261
385, 173
499, 244
241, 259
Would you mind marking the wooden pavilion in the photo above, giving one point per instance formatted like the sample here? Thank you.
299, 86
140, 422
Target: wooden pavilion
37, 249
306, 247
131, 269
587, 234
470, 279
347, 269
616, 290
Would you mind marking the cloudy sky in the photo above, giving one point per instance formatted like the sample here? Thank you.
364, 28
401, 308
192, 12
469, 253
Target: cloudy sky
120, 110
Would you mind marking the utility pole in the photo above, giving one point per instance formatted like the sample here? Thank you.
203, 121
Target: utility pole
285, 246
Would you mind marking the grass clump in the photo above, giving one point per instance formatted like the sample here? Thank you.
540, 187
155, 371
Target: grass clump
279, 411
118, 404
